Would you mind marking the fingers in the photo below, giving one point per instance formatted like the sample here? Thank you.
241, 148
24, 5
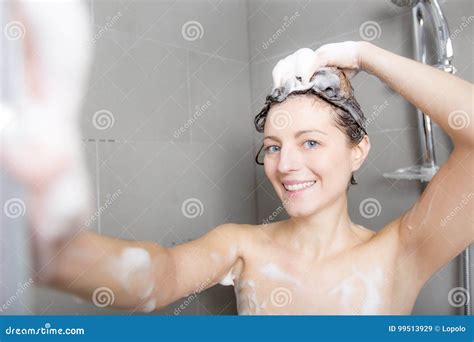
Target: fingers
326, 55
304, 58
295, 65
299, 67
302, 64
282, 72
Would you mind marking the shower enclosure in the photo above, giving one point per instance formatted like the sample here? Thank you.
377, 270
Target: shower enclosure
153, 78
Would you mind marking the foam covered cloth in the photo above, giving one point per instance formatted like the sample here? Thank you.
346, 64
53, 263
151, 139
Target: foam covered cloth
329, 83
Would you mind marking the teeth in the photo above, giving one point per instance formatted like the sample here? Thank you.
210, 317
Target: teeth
300, 186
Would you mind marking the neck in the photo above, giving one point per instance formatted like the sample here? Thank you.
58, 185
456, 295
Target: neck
324, 233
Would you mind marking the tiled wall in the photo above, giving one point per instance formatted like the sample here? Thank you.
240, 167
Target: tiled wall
151, 75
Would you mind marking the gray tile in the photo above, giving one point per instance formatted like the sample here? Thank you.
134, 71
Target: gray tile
126, 75
194, 27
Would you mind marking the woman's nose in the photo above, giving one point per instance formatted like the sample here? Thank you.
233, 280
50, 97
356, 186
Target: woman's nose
290, 160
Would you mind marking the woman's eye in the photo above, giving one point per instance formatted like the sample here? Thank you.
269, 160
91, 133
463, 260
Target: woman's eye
311, 143
271, 149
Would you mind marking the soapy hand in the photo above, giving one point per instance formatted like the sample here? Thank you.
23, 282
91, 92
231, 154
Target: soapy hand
40, 131
300, 66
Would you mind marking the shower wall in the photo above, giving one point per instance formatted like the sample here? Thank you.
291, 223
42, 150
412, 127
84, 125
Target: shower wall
168, 121
278, 28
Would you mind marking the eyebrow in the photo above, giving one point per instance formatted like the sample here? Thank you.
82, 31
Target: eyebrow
297, 134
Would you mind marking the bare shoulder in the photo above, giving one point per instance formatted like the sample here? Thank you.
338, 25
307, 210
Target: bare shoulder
236, 231
251, 238
247, 230
244, 236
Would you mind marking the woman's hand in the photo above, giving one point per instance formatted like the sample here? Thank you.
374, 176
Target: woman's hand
304, 62
41, 138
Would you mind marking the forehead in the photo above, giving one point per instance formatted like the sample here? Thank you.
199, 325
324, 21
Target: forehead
299, 112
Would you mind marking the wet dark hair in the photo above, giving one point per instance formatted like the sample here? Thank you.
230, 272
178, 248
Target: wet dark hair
344, 121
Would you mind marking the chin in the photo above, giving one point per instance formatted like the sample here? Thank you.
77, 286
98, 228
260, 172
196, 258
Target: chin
303, 210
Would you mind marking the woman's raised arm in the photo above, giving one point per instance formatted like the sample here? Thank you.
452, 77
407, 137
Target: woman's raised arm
445, 98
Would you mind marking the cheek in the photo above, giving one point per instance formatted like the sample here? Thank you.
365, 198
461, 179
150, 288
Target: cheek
270, 169
332, 164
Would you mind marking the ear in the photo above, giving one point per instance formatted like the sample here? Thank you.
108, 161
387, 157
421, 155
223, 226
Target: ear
360, 152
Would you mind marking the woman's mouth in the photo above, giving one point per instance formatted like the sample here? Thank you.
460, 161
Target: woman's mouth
298, 187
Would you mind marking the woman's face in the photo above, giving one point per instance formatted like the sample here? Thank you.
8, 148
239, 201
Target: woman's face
307, 158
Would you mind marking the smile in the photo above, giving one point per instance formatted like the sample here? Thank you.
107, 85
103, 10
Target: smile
298, 187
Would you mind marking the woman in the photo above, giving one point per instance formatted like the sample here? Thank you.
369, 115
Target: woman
317, 261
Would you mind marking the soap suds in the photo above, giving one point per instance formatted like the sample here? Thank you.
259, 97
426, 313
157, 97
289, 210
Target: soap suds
228, 279
272, 271
345, 289
134, 270
371, 299
149, 306
246, 295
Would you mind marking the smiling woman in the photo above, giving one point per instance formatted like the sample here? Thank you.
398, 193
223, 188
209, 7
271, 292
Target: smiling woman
320, 125
331, 92
316, 139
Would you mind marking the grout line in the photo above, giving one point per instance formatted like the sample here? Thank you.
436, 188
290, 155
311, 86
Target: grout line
97, 182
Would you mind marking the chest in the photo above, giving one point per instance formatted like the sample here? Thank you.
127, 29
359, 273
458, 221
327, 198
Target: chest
345, 286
